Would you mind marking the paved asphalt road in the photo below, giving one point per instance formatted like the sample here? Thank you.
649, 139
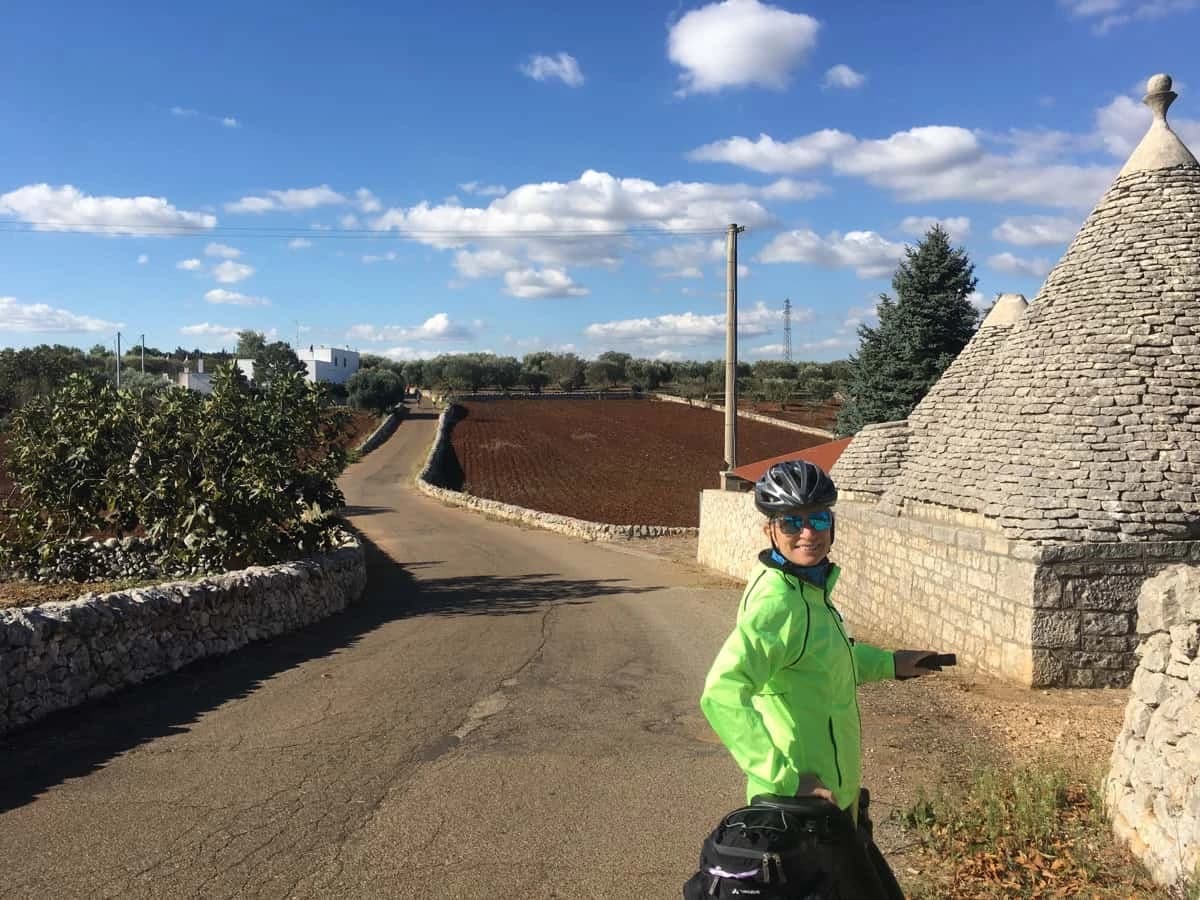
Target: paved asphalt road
508, 714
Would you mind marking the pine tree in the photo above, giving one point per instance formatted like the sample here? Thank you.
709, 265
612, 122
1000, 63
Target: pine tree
919, 334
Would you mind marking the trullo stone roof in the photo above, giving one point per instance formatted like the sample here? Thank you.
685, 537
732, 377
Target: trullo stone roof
1078, 419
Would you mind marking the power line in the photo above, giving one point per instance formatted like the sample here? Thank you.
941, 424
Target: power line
121, 230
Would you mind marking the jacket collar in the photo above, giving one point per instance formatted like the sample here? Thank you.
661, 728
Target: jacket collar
807, 575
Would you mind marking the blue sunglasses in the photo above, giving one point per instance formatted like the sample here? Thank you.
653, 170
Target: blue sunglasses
822, 520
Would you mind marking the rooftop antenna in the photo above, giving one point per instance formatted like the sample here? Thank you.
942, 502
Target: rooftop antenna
787, 330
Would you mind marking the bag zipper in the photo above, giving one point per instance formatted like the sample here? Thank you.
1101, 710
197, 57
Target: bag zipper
836, 763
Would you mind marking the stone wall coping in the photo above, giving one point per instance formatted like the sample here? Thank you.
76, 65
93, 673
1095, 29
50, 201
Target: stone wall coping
747, 414
382, 432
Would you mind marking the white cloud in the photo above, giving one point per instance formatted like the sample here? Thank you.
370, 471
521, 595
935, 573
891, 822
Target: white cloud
437, 327
1035, 231
484, 263
230, 272
539, 284
1015, 265
771, 156
687, 259
222, 250
1121, 125
222, 334
143, 258
289, 200
736, 43
189, 265
41, 317
66, 208
790, 189
936, 162
978, 300
958, 227
390, 256
842, 76
765, 350
299, 243
483, 190
563, 67
858, 315
220, 295
829, 343
367, 202
1109, 14
230, 122
690, 328
868, 253
183, 112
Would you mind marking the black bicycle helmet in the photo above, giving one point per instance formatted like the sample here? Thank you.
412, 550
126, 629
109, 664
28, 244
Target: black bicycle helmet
790, 486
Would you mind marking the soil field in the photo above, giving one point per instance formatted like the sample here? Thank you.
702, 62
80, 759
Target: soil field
617, 461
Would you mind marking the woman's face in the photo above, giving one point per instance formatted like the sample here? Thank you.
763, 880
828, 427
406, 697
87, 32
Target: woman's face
805, 547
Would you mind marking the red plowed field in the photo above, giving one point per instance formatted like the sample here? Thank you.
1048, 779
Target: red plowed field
620, 461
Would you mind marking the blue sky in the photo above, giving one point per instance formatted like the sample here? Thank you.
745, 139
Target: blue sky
416, 178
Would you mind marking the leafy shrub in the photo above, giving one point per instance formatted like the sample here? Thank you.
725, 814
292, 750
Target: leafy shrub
243, 476
377, 389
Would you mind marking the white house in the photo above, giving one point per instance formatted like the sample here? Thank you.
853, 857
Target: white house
196, 381
331, 364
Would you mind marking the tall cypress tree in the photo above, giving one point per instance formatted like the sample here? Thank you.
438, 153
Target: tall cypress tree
919, 334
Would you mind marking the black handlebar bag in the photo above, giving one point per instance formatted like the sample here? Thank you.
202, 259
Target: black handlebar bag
785, 848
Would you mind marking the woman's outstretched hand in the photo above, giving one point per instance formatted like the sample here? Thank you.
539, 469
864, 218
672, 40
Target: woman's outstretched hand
909, 663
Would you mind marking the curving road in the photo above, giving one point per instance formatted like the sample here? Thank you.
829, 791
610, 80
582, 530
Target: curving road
508, 714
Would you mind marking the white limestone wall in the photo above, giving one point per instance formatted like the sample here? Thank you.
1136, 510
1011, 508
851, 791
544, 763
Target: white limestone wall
1153, 787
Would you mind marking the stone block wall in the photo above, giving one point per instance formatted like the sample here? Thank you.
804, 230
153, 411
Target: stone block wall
59, 655
1153, 787
747, 414
946, 579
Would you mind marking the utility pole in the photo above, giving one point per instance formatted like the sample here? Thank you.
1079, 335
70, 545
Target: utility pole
731, 358
787, 330
118, 360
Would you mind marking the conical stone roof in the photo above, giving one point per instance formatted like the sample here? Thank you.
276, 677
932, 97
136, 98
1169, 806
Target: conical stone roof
1080, 419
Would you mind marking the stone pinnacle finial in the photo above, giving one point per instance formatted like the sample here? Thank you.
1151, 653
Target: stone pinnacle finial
1159, 95
1161, 148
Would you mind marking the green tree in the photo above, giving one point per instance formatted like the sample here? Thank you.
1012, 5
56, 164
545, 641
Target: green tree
274, 360
534, 379
249, 344
566, 370
918, 336
619, 362
604, 373
377, 389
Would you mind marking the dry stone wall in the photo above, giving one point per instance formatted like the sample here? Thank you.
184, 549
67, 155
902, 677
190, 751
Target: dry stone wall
381, 433
1153, 787
430, 481
59, 655
746, 414
1037, 615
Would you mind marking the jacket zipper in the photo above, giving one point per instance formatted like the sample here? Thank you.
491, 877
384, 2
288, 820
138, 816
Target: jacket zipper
854, 674
836, 763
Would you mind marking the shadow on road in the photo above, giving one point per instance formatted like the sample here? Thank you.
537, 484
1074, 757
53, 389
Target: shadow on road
75, 742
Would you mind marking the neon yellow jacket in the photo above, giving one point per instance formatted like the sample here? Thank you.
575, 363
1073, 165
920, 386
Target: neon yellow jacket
782, 694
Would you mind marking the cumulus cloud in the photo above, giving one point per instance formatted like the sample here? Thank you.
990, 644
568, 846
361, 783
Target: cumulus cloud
1035, 231
1106, 15
1015, 265
390, 256
689, 327
489, 263
143, 258
958, 227
686, 260
539, 284
42, 318
367, 201
791, 189
483, 190
299, 243
1122, 123
219, 334
189, 265
737, 43
66, 208
868, 253
222, 250
842, 76
288, 200
934, 162
438, 327
220, 295
562, 67
230, 272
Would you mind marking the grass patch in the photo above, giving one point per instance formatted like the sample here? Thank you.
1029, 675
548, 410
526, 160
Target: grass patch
1035, 831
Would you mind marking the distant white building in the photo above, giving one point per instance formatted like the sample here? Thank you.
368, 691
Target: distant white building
331, 364
199, 380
